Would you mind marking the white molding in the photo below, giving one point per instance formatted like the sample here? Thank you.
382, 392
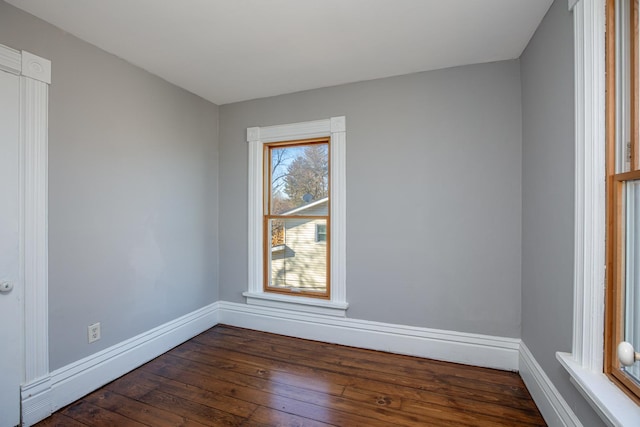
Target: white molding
35, 76
608, 401
254, 225
589, 273
253, 134
555, 410
305, 304
34, 154
37, 400
292, 131
338, 210
458, 347
10, 60
36, 68
69, 383
572, 4
338, 124
335, 127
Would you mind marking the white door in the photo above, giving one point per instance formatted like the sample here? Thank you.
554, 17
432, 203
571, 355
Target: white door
11, 327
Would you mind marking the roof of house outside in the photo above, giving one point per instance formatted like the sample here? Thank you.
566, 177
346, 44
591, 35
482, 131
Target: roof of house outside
305, 207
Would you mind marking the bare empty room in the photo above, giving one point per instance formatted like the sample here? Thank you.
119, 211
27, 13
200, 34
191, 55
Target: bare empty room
319, 212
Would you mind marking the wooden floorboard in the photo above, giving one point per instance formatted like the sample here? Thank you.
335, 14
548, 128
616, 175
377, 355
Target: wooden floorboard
230, 376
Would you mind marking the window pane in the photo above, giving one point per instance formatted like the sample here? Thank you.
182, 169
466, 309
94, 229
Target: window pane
623, 88
632, 283
297, 261
321, 232
299, 176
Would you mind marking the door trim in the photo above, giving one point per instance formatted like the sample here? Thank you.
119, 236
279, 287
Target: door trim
35, 77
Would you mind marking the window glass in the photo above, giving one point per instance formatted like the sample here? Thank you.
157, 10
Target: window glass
299, 176
297, 262
321, 232
632, 279
297, 214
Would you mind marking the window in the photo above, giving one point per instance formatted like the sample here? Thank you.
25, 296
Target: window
296, 214
622, 311
585, 362
321, 232
288, 218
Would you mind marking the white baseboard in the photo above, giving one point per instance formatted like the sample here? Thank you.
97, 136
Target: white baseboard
555, 410
470, 349
40, 398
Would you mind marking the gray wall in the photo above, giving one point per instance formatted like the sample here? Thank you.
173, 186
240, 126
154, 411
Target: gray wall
433, 194
132, 193
547, 199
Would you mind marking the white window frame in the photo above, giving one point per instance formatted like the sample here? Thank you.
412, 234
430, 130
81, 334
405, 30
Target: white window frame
336, 129
585, 362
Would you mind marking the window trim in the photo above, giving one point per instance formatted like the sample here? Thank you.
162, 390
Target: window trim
335, 128
585, 362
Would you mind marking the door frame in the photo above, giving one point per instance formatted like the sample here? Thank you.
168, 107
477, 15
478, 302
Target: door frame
35, 78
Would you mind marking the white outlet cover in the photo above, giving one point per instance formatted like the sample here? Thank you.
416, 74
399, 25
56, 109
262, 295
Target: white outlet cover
94, 332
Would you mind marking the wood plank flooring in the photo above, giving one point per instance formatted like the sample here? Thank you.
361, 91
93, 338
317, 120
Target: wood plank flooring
229, 376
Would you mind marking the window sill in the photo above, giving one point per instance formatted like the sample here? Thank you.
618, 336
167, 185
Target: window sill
613, 406
309, 305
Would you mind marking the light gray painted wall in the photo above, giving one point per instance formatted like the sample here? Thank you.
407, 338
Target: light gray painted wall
132, 193
433, 191
547, 199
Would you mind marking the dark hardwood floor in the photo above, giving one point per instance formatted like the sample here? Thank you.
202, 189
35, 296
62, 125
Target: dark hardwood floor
229, 376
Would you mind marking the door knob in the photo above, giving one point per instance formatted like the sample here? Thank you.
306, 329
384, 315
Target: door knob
6, 287
626, 354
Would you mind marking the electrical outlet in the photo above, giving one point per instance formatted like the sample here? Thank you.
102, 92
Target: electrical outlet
94, 332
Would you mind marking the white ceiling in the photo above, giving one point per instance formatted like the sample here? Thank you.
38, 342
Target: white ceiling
234, 50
